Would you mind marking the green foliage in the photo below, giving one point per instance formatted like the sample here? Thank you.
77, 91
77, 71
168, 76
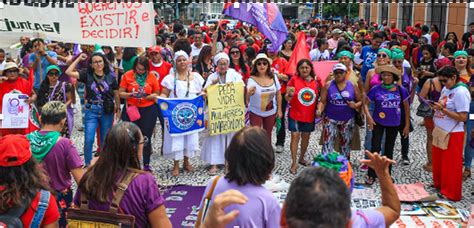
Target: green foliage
340, 9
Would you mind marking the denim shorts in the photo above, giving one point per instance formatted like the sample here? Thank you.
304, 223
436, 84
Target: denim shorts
297, 126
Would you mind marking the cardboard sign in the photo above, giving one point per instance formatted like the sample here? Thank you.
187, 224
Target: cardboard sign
15, 111
411, 192
226, 108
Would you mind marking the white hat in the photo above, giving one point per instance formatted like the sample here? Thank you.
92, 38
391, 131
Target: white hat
10, 65
220, 56
180, 53
261, 56
336, 31
339, 66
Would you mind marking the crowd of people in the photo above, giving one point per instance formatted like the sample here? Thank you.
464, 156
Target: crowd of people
382, 71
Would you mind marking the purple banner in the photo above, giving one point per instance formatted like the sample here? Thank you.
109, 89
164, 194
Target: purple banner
182, 203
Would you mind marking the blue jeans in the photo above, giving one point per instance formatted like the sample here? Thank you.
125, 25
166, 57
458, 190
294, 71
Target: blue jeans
93, 118
468, 150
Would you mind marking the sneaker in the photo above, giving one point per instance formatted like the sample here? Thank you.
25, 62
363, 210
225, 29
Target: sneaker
147, 168
405, 161
279, 149
364, 167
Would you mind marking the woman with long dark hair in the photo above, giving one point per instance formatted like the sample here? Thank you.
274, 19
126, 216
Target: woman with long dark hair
140, 88
128, 58
120, 157
52, 89
102, 98
237, 62
287, 49
450, 37
23, 182
204, 62
302, 94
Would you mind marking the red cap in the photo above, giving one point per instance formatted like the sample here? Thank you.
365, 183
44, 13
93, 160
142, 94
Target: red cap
14, 150
443, 62
156, 49
418, 24
409, 29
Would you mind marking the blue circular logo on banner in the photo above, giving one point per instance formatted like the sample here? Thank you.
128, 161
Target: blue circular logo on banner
184, 115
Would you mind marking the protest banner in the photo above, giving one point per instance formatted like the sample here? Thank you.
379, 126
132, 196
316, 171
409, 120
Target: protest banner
183, 116
15, 111
129, 24
423, 221
323, 68
226, 108
182, 204
411, 192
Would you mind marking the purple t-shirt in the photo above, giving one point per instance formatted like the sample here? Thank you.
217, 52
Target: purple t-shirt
261, 210
387, 111
59, 162
367, 219
337, 107
141, 198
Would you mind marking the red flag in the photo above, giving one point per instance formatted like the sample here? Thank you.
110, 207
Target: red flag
300, 51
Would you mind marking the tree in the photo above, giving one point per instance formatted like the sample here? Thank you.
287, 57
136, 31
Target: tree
340, 9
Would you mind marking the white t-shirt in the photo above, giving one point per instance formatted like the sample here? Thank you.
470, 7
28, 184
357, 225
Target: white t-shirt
454, 100
316, 55
357, 59
195, 50
428, 37
263, 97
195, 86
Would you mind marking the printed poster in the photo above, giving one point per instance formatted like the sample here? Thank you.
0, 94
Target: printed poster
226, 108
15, 111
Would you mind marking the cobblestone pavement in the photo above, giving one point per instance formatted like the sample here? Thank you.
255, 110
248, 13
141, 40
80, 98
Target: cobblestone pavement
402, 174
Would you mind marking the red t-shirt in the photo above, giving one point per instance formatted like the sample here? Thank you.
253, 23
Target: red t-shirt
162, 70
51, 215
280, 64
130, 84
304, 101
244, 76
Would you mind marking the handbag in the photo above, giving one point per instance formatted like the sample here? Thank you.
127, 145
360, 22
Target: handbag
132, 112
358, 118
424, 110
206, 202
441, 137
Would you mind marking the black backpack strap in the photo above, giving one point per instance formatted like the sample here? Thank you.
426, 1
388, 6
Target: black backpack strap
120, 192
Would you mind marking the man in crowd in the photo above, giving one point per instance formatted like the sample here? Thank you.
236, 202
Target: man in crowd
40, 59
468, 37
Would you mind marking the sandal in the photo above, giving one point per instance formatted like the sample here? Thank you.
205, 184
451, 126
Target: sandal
188, 168
466, 174
304, 163
428, 168
175, 172
294, 169
369, 180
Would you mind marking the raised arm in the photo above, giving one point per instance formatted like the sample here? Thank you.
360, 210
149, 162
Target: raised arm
71, 70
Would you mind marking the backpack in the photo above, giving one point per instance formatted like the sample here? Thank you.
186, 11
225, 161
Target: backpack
12, 218
84, 217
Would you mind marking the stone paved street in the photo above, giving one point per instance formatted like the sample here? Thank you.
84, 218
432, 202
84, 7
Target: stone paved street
402, 174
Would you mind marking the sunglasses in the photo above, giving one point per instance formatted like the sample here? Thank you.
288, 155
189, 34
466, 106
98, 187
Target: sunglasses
11, 71
262, 63
339, 72
53, 73
382, 56
234, 52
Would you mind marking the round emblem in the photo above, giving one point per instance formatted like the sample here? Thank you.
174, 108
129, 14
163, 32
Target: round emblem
184, 115
382, 115
164, 106
306, 96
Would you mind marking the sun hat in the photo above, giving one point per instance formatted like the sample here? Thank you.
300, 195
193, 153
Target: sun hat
388, 68
10, 65
261, 56
53, 67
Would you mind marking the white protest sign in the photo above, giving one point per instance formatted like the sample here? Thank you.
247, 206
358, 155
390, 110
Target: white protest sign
129, 24
15, 111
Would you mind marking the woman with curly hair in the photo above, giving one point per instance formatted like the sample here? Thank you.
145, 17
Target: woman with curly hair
23, 184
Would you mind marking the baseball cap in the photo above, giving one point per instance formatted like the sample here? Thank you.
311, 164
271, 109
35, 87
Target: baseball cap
156, 49
339, 66
14, 150
53, 67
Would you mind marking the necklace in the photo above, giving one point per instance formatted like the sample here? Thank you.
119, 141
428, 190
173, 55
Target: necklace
388, 87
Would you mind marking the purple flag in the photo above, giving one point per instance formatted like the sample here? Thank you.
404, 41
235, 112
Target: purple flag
266, 16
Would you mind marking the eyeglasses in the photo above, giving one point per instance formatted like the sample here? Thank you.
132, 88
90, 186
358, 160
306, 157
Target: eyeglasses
97, 62
234, 52
382, 56
145, 140
339, 72
262, 63
11, 71
53, 74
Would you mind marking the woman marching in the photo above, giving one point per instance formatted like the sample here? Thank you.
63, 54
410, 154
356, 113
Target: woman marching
302, 94
214, 146
340, 100
181, 84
